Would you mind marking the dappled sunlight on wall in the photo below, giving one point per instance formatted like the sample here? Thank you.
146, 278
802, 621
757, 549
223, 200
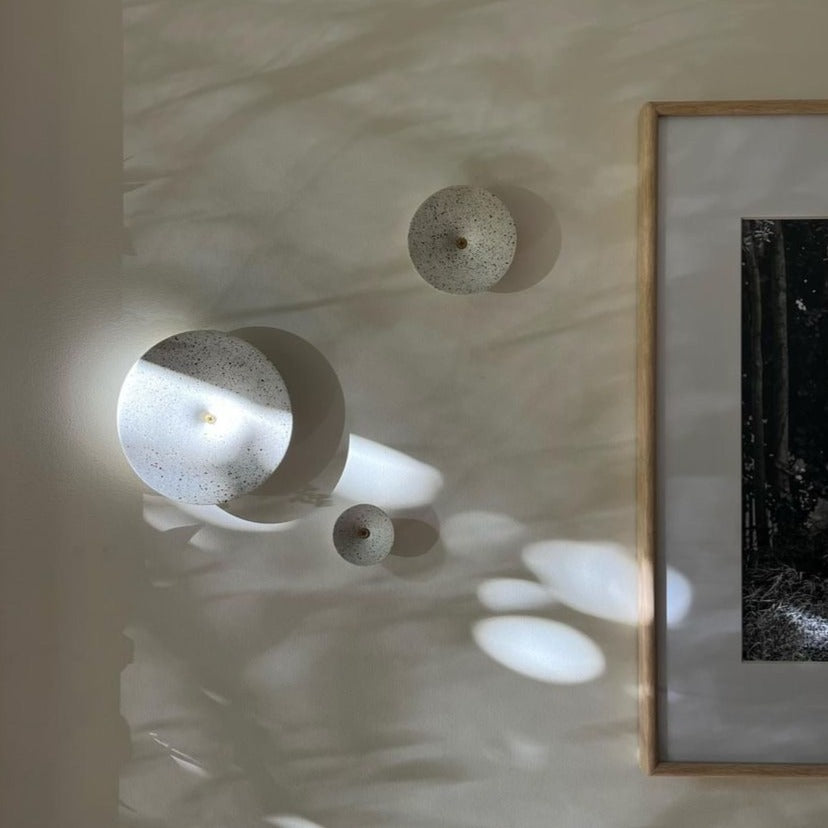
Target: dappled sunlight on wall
276, 153
678, 597
540, 649
596, 578
403, 486
252, 611
377, 474
600, 579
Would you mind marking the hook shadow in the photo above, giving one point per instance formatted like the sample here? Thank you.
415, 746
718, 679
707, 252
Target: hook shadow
319, 443
539, 238
416, 534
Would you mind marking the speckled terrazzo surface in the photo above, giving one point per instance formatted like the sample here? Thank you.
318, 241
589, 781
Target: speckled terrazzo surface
363, 535
462, 239
204, 417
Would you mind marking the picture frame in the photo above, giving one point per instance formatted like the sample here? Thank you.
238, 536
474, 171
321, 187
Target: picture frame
729, 727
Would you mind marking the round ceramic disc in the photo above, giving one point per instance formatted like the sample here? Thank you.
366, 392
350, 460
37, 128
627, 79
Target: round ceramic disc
462, 239
204, 417
363, 535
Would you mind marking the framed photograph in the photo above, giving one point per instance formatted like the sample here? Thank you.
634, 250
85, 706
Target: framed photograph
733, 438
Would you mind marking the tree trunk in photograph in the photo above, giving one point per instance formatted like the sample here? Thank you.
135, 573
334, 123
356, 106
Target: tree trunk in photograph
779, 327
757, 410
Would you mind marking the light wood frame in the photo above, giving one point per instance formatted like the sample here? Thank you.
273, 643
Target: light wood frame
649, 758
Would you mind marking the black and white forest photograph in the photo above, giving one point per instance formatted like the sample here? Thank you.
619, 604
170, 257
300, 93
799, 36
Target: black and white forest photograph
784, 439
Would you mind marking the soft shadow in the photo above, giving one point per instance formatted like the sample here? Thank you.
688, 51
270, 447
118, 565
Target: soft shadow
319, 443
416, 553
538, 228
415, 535
418, 568
539, 238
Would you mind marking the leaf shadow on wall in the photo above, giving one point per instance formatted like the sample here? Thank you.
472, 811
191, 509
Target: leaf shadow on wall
249, 616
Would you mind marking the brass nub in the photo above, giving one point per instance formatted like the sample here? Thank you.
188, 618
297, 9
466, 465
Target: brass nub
208, 417
461, 242
363, 532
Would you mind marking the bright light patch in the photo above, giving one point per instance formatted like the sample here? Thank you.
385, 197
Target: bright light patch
289, 821
184, 761
599, 579
513, 595
540, 649
679, 597
377, 474
216, 697
189, 766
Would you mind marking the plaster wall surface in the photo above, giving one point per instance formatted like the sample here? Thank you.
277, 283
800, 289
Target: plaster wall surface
271, 157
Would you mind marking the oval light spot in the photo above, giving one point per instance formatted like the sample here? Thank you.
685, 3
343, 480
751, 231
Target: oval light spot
375, 473
540, 649
599, 579
679, 597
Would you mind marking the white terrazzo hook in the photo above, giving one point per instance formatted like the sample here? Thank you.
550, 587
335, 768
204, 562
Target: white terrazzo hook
462, 239
363, 535
204, 417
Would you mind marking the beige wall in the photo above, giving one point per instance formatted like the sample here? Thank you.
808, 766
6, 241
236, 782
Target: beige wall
274, 152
